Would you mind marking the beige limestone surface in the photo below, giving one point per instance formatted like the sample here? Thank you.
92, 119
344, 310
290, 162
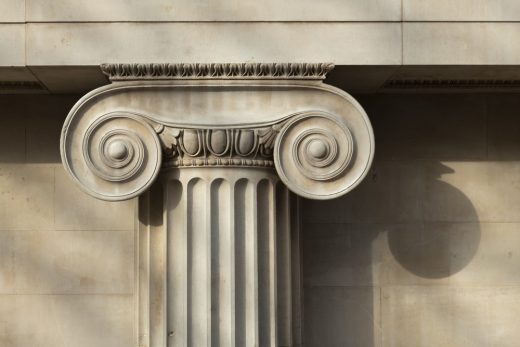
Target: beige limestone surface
342, 43
249, 10
63, 320
207, 11
12, 41
461, 10
12, 11
426, 246
212, 42
80, 35
449, 316
461, 43
67, 268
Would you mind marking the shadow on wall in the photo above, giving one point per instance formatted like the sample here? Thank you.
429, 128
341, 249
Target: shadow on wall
30, 127
396, 228
438, 248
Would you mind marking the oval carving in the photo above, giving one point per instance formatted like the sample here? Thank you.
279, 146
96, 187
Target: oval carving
218, 142
246, 142
191, 142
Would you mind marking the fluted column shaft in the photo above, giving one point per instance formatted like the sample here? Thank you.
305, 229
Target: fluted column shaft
230, 264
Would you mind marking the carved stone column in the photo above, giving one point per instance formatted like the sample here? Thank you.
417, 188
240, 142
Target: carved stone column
213, 151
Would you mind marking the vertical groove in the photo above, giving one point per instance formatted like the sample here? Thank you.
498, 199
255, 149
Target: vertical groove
273, 264
143, 270
296, 270
177, 244
211, 209
283, 232
263, 263
232, 267
198, 270
222, 273
216, 261
251, 255
246, 272
266, 264
156, 266
240, 318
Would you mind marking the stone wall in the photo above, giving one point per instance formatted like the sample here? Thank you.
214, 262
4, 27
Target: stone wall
66, 260
423, 253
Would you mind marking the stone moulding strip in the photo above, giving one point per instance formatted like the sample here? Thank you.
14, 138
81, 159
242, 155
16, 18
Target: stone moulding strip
21, 86
296, 71
452, 84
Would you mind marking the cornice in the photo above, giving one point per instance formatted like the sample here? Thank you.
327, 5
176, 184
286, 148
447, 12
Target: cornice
270, 71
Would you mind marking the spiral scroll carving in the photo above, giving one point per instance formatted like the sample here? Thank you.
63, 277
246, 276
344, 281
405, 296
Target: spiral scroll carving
117, 158
323, 152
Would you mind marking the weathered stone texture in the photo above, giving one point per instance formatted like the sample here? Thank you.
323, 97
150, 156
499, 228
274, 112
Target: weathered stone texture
449, 316
12, 11
72, 262
12, 43
429, 237
444, 43
66, 320
76, 211
461, 10
347, 316
96, 43
66, 264
221, 10
76, 34
423, 253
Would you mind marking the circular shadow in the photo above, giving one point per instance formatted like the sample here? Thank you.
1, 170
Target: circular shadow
447, 241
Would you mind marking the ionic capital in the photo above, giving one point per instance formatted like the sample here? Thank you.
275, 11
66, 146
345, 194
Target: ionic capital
156, 117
